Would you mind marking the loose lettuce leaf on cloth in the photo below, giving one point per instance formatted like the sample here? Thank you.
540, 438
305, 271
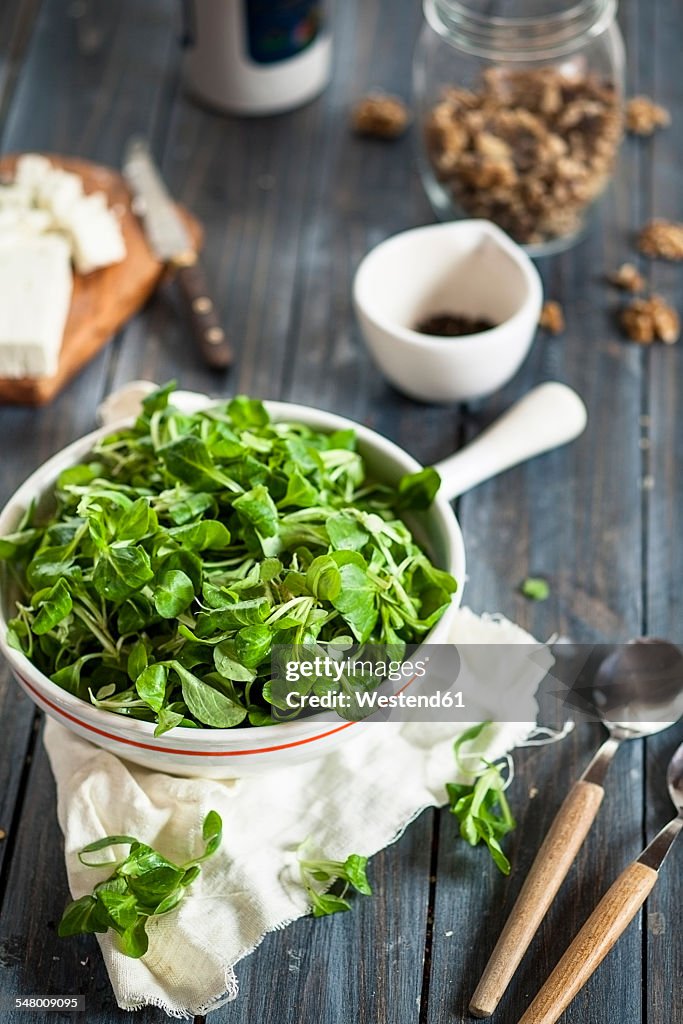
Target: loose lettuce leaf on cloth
251, 886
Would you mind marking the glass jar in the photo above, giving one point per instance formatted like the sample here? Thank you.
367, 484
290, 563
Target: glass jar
520, 107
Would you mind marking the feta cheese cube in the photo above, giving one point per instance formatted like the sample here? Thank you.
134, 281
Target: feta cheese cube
95, 233
25, 220
35, 285
57, 191
15, 196
31, 170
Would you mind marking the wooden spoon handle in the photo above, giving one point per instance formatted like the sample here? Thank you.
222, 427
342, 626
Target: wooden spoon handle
553, 860
611, 917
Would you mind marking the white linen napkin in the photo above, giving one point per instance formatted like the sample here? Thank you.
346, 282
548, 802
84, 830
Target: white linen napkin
250, 886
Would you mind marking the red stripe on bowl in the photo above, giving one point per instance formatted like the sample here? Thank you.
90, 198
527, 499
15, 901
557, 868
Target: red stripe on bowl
170, 750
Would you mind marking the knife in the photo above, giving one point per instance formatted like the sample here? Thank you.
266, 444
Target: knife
170, 240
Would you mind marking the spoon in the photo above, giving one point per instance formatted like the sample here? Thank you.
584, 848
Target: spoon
612, 916
637, 691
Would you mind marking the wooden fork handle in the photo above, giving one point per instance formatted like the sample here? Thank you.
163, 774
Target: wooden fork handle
553, 860
611, 917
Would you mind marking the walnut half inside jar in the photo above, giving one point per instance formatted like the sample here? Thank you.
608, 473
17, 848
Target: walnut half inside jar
521, 125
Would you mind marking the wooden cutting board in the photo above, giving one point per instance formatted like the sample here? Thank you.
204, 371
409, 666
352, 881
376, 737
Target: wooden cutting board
102, 301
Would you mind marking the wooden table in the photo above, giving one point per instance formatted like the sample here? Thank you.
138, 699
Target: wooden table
290, 205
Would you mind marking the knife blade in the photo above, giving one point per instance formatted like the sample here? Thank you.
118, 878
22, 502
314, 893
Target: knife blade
170, 241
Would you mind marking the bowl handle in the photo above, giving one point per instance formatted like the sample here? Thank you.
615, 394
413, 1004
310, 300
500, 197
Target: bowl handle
548, 416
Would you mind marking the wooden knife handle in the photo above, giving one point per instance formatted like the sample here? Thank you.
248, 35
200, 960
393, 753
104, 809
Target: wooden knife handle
611, 917
553, 860
209, 334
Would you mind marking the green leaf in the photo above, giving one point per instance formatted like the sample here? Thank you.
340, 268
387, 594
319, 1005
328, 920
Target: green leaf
324, 578
151, 685
137, 521
258, 716
170, 902
80, 475
206, 534
355, 868
269, 569
83, 917
185, 561
258, 508
135, 615
253, 644
134, 942
473, 733
418, 490
207, 704
481, 808
535, 588
55, 607
325, 904
497, 854
247, 412
98, 527
192, 873
188, 459
121, 907
157, 400
356, 602
69, 677
227, 662
150, 885
13, 544
346, 533
102, 844
212, 833
49, 564
190, 506
233, 615
121, 571
167, 719
300, 492
137, 660
345, 439
174, 593
352, 872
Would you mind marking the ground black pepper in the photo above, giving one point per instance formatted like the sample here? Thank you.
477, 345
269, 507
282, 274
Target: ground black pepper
453, 325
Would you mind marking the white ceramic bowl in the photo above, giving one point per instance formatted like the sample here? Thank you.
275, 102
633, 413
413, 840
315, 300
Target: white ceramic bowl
469, 267
223, 753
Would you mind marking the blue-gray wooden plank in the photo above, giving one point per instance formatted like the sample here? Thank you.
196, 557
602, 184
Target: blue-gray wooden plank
17, 18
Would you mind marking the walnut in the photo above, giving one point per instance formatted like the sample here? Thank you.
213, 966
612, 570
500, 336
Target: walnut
553, 146
446, 139
579, 113
644, 116
380, 116
491, 146
645, 320
552, 317
486, 174
662, 239
628, 278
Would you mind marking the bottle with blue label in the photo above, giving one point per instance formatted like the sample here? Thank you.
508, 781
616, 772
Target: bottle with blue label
256, 56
